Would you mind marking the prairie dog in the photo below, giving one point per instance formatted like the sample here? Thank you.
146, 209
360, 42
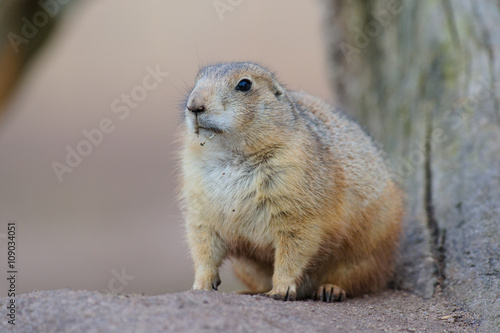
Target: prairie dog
288, 188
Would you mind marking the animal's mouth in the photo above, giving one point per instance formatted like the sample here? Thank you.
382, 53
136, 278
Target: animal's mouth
205, 126
211, 129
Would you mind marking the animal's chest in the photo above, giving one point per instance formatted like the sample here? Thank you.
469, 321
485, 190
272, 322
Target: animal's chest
239, 198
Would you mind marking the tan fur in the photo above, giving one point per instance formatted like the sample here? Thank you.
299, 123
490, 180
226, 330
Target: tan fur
295, 193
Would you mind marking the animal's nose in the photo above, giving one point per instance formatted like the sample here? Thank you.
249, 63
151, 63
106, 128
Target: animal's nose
196, 104
196, 109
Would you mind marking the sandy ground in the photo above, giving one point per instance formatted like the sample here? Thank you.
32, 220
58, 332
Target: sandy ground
197, 311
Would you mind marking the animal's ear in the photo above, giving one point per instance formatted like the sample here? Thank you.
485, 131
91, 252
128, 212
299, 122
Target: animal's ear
277, 89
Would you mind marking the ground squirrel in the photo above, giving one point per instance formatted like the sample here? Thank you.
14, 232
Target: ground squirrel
288, 188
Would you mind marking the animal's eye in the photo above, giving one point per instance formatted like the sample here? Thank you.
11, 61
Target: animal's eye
244, 85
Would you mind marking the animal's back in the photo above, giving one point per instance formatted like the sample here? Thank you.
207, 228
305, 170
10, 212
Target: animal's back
353, 150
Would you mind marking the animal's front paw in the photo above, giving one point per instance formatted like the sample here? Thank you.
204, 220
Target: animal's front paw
207, 282
329, 293
287, 293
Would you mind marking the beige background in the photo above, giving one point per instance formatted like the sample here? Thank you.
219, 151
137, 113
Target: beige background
117, 209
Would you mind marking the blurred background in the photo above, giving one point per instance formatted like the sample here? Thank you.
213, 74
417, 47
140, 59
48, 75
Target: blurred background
111, 220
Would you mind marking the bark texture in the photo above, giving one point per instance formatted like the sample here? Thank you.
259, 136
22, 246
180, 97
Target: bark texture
423, 77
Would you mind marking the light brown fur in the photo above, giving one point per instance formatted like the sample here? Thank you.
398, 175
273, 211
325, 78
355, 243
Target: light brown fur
295, 193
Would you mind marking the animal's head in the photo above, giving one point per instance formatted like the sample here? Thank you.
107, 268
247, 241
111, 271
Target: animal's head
236, 101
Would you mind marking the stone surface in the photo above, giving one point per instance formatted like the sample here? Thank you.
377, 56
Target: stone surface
422, 76
199, 311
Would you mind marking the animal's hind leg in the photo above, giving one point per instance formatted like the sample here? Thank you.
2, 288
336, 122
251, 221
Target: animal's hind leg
255, 275
354, 278
367, 265
329, 293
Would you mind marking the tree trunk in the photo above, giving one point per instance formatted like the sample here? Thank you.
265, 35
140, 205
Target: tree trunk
423, 77
25, 26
